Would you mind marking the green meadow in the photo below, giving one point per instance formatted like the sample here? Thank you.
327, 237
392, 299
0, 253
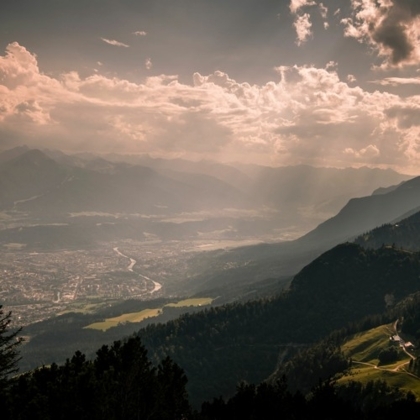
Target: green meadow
364, 348
131, 317
191, 302
147, 313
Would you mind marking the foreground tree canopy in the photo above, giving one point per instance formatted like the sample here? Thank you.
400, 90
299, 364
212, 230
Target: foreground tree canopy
9, 342
120, 383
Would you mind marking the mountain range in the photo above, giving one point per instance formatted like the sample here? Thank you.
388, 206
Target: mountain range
55, 183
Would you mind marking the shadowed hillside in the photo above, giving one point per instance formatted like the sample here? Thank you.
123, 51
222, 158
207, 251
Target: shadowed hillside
242, 341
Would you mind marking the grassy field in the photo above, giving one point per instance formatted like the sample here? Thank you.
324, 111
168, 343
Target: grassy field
89, 307
14, 246
191, 302
147, 313
365, 346
364, 349
131, 317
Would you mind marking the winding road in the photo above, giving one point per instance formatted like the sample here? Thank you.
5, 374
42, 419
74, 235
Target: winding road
156, 286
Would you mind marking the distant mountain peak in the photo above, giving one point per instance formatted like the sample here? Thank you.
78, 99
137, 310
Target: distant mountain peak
34, 156
13, 153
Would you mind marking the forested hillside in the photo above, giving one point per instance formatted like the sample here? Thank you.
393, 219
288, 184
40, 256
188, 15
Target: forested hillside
326, 359
221, 346
403, 234
121, 383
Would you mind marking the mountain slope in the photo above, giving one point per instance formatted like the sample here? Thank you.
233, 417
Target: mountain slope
302, 194
40, 184
31, 174
363, 351
242, 341
12, 153
366, 213
404, 233
322, 191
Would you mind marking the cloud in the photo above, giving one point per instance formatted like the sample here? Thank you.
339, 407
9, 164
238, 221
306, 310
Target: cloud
302, 26
331, 65
396, 81
296, 5
140, 33
323, 10
367, 152
390, 27
305, 115
302, 23
148, 63
405, 116
115, 43
18, 67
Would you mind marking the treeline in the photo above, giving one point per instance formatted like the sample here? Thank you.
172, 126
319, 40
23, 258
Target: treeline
325, 360
409, 313
120, 383
353, 401
404, 234
414, 367
320, 362
221, 346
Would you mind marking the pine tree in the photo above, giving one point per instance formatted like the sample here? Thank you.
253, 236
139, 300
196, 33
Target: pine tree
9, 343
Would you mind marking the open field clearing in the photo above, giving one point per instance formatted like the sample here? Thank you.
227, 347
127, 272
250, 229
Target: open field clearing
133, 317
364, 349
146, 313
191, 302
365, 346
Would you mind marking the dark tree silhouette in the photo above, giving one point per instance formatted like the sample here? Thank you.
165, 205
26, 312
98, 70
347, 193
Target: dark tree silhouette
9, 343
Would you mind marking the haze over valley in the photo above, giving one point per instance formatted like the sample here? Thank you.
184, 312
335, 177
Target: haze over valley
63, 217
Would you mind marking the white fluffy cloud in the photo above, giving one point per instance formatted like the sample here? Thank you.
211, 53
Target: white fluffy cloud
302, 26
390, 27
302, 22
323, 10
307, 116
296, 5
370, 151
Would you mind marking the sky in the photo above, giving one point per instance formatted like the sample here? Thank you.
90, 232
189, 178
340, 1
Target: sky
327, 83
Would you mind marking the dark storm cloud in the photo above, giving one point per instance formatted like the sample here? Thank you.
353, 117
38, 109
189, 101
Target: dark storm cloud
390, 27
392, 32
